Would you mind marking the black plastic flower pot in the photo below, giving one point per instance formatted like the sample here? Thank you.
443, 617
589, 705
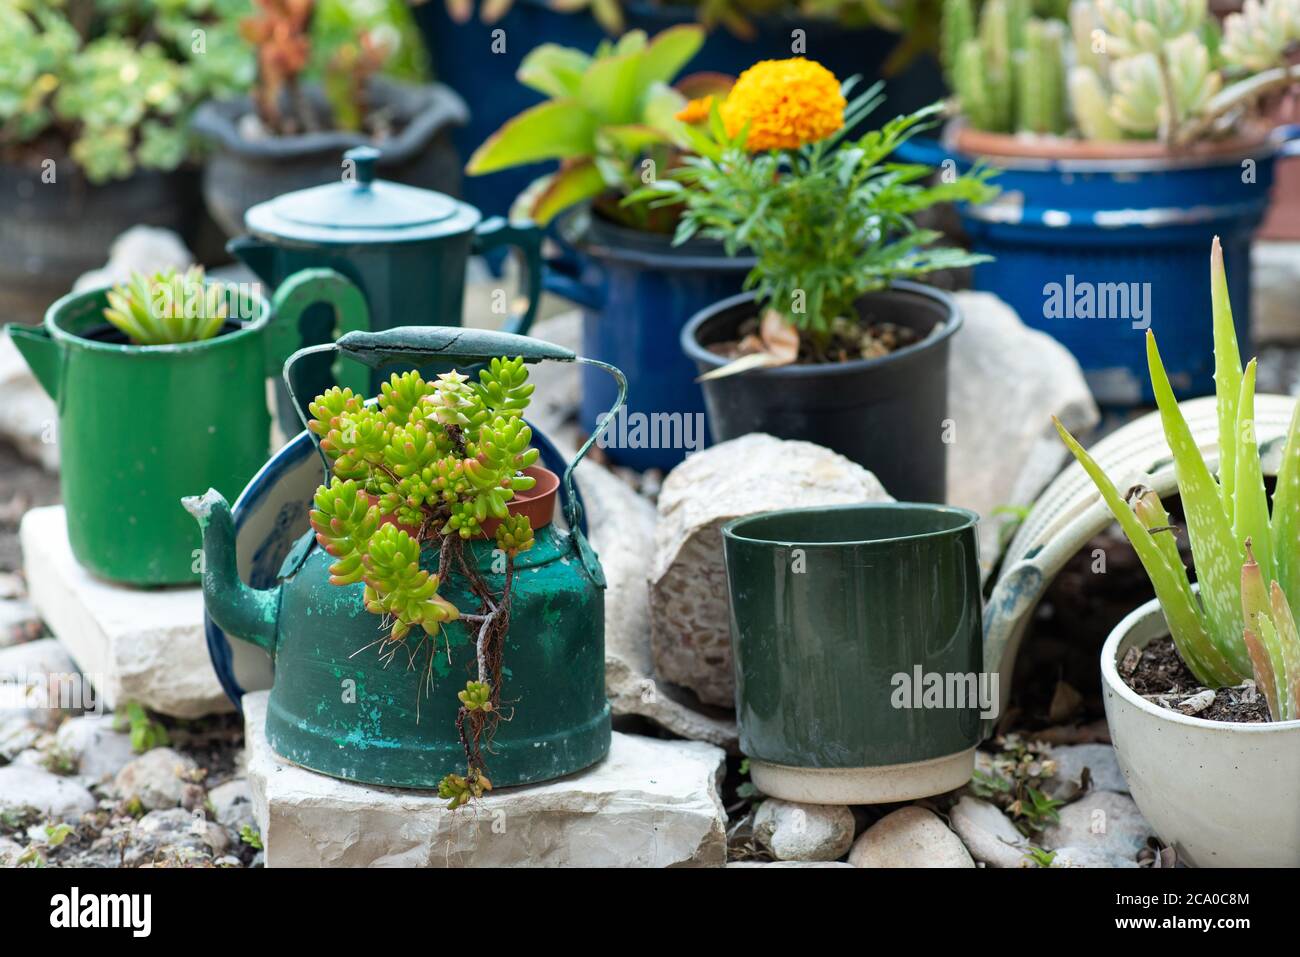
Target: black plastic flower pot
243, 172
887, 414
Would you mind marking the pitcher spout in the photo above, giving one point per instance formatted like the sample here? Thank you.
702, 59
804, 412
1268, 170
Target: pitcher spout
239, 610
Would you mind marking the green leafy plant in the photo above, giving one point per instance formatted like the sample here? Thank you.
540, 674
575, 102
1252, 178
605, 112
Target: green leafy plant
167, 307
1008, 70
249, 835
112, 83
1040, 857
146, 733
827, 221
1015, 783
416, 474
607, 115
1241, 623
1136, 69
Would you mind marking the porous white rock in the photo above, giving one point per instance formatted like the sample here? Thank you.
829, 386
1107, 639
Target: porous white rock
650, 803
988, 834
690, 634
157, 778
1005, 382
909, 837
134, 644
1103, 770
803, 832
622, 527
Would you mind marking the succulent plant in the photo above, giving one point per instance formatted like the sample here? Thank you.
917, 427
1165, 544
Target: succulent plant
606, 112
1008, 70
1137, 69
167, 307
421, 469
1241, 623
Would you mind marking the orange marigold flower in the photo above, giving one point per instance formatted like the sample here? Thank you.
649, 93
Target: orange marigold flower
786, 103
696, 110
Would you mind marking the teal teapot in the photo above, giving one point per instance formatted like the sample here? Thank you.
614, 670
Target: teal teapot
405, 247
341, 710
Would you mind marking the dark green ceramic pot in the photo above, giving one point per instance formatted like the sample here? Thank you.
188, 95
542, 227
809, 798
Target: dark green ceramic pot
858, 657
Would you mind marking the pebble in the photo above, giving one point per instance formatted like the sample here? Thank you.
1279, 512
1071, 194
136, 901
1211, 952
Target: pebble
803, 832
99, 750
1071, 759
232, 804
22, 786
1102, 822
988, 834
156, 779
1071, 857
909, 837
174, 834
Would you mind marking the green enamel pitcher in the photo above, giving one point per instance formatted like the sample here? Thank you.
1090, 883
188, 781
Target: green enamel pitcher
346, 714
140, 426
405, 247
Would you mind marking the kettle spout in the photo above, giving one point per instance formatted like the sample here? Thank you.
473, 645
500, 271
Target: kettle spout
257, 254
240, 611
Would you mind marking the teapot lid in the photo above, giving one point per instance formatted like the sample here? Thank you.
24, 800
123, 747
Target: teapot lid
362, 209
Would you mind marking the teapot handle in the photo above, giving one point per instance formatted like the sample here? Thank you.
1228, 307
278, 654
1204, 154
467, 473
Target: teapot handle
421, 344
527, 238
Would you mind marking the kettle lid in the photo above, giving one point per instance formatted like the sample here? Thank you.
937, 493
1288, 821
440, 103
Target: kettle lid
362, 208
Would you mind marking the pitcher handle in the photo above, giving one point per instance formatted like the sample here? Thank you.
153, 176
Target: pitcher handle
527, 238
302, 291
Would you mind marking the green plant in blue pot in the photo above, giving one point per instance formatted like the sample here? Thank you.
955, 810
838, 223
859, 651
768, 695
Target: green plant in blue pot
613, 120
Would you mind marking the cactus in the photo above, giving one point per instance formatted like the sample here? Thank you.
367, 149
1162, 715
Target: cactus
427, 464
167, 307
1241, 624
1011, 76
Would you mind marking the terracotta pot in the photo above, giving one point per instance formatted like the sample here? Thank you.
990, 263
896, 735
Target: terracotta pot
538, 503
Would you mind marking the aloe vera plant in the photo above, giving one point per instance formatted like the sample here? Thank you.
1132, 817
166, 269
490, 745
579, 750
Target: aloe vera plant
424, 467
167, 307
1241, 623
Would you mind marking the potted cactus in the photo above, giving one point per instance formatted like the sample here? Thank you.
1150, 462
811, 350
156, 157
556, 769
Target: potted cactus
474, 44
330, 75
1202, 685
613, 121
832, 344
94, 102
1153, 128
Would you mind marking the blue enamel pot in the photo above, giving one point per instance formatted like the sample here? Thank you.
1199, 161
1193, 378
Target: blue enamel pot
1094, 251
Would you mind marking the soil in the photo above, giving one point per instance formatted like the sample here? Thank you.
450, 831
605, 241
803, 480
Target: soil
1159, 675
849, 340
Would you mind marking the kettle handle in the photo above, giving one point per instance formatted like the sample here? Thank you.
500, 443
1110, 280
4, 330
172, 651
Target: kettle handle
420, 344
527, 238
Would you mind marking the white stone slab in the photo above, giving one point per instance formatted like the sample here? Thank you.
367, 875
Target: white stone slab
650, 803
134, 644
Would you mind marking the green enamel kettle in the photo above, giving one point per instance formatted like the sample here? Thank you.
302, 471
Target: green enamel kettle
345, 713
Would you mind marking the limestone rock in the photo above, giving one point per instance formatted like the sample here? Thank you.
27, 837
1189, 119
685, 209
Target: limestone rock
1005, 381
622, 527
690, 635
988, 834
803, 832
157, 778
99, 750
232, 804
1101, 822
909, 837
146, 647
51, 681
145, 249
1074, 857
23, 786
789, 864
1071, 759
650, 803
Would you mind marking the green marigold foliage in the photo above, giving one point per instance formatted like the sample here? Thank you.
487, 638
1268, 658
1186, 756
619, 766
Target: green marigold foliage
429, 459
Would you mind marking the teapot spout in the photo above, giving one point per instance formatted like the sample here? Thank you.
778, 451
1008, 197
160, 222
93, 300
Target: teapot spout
257, 254
240, 611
